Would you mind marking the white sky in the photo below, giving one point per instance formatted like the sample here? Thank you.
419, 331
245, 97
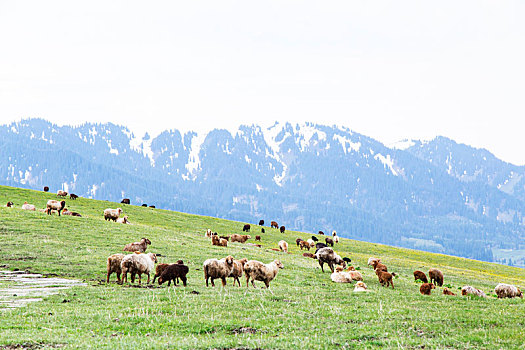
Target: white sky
387, 69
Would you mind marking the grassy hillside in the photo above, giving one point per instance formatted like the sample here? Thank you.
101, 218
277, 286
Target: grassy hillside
304, 309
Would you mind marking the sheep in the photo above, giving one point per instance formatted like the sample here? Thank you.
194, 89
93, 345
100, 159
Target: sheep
327, 255
304, 245
208, 233
436, 277
329, 242
246, 228
125, 201
221, 242
309, 255
298, 240
238, 268
152, 206
258, 271
420, 275
239, 238
61, 193
144, 205
348, 260
55, 205
214, 269
73, 196
360, 287
283, 245
26, 206
46, 189
311, 242
226, 237
469, 290
114, 262
371, 261
67, 212
257, 238
426, 288
255, 245
349, 268
274, 224
139, 263
376, 265
339, 276
336, 239
262, 230
385, 278
123, 220
112, 214
160, 268
261, 222
282, 229
173, 272
137, 246
334, 233
356, 275
447, 291
315, 239
321, 233
504, 290
9, 205
319, 246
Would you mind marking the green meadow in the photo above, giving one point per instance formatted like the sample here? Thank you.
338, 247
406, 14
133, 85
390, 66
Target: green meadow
303, 308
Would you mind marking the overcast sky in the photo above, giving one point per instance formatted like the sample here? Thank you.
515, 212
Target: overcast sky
387, 69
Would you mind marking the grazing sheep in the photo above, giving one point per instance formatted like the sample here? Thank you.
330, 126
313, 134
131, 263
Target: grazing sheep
26, 206
258, 271
336, 239
238, 268
504, 290
376, 265
55, 205
311, 242
385, 278
315, 239
426, 288
46, 189
61, 193
112, 214
283, 245
223, 242
320, 245
309, 255
138, 263
327, 255
329, 241
214, 268
246, 228
172, 273
321, 233
208, 233
73, 196
298, 240
215, 240
158, 271
225, 237
339, 276
420, 275
436, 277
371, 261
469, 290
257, 238
239, 238
447, 291
305, 245
114, 262
125, 201
123, 220
261, 222
138, 246
282, 229
263, 231
348, 260
334, 233
144, 205
9, 204
152, 206
274, 224
360, 287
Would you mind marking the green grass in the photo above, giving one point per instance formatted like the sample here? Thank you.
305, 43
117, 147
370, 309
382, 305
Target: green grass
304, 309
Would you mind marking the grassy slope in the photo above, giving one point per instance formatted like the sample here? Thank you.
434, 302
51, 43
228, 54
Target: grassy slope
305, 310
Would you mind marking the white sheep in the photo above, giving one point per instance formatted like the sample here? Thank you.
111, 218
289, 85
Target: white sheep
467, 290
55, 205
214, 268
112, 214
123, 220
283, 245
26, 206
504, 290
311, 242
340, 276
138, 263
258, 271
360, 287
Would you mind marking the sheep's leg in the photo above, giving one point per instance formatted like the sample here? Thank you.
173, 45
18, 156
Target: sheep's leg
223, 279
247, 280
118, 277
140, 278
169, 282
207, 281
267, 283
321, 263
148, 279
212, 283
331, 265
253, 284
107, 278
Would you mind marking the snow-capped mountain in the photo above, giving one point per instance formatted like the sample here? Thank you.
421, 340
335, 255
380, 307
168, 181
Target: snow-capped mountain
437, 195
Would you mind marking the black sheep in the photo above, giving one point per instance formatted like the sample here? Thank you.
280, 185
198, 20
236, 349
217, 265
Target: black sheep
261, 222
246, 228
172, 272
314, 239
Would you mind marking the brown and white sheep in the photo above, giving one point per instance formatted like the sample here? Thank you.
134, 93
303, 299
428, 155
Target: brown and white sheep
123, 220
327, 255
27, 206
436, 277
311, 242
426, 288
137, 246
239, 238
371, 261
420, 275
258, 271
214, 268
356, 275
55, 205
309, 255
340, 276
61, 193
238, 268
469, 290
113, 266
9, 205
208, 233
504, 290
376, 265
447, 291
360, 287
385, 278
173, 272
297, 241
225, 237
138, 263
304, 245
283, 245
112, 214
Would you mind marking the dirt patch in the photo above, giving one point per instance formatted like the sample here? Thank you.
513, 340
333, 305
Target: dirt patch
22, 258
29, 346
244, 330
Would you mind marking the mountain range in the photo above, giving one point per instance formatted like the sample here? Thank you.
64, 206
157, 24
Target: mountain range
436, 195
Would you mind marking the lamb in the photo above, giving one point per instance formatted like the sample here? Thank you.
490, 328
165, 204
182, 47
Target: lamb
385, 278
304, 245
112, 214
327, 255
504, 290
360, 287
138, 246
114, 262
26, 206
255, 245
447, 291
139, 263
61, 193
71, 213
282, 229
320, 245
436, 277
173, 272
378, 266
371, 261
329, 241
469, 290
309, 255
161, 267
214, 269
123, 220
420, 275
223, 242
239, 238
426, 288
356, 275
257, 238
339, 276
257, 271
238, 268
9, 204
246, 228
283, 246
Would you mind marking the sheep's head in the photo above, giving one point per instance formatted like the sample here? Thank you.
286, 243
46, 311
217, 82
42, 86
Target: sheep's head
180, 262
243, 261
62, 204
520, 294
9, 204
334, 233
279, 264
119, 211
371, 261
339, 269
153, 257
229, 260
147, 241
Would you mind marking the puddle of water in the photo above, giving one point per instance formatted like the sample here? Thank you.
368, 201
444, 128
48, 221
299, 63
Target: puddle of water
30, 286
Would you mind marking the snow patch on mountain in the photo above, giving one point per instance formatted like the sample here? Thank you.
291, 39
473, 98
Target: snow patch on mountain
347, 144
193, 159
387, 162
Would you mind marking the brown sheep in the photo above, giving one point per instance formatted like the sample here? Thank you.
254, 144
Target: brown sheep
61, 193
426, 288
329, 241
238, 268
173, 272
436, 277
304, 244
257, 238
239, 238
261, 222
420, 275
138, 246
215, 240
282, 229
309, 255
298, 241
159, 269
283, 245
214, 268
447, 291
385, 278
377, 265
274, 224
114, 262
223, 242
